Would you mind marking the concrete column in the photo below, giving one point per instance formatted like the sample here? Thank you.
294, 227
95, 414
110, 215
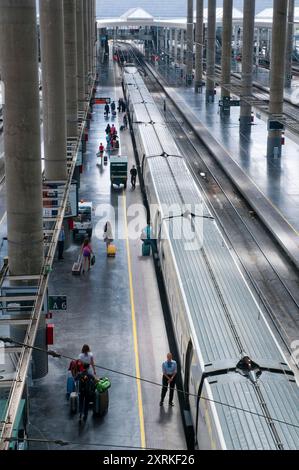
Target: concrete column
269, 42
199, 45
165, 40
71, 72
211, 50
80, 54
86, 44
279, 36
22, 145
182, 45
290, 43
176, 45
95, 38
247, 64
161, 39
189, 59
90, 12
236, 29
257, 54
53, 83
226, 58
170, 43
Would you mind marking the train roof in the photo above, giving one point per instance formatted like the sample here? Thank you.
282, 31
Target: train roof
224, 316
251, 431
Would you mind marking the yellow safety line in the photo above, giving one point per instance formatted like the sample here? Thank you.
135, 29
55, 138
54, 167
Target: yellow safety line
134, 325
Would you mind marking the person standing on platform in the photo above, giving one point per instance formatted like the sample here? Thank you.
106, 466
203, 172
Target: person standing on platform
61, 240
86, 357
169, 369
113, 130
125, 121
107, 109
123, 106
133, 173
119, 107
86, 390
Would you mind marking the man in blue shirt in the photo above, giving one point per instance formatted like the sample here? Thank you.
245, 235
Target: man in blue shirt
169, 369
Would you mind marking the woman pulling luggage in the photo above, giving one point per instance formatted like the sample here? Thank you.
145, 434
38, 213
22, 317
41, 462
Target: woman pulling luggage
86, 251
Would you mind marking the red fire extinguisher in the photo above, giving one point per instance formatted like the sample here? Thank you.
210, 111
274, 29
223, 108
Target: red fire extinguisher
50, 333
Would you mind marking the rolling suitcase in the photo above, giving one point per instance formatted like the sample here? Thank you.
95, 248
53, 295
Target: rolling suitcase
70, 386
101, 403
146, 249
74, 398
111, 251
77, 266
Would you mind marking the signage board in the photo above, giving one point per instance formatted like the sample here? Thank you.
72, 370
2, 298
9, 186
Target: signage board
53, 192
275, 125
102, 100
57, 302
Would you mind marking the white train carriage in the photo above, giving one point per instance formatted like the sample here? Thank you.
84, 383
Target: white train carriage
215, 316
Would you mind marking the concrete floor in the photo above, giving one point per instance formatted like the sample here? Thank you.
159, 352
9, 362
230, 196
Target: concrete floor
100, 313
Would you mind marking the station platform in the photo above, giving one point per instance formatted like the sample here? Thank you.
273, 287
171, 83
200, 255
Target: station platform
270, 186
115, 308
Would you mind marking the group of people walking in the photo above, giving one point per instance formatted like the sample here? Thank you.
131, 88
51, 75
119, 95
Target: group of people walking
111, 137
83, 371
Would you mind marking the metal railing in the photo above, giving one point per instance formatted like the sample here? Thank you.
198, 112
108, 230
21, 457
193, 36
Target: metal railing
18, 383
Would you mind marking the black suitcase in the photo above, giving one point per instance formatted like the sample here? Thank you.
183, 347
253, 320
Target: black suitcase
74, 399
101, 403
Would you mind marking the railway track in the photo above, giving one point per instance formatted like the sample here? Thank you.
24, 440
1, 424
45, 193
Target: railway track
275, 280
260, 100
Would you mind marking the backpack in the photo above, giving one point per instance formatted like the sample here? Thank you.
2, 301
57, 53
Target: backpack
103, 384
86, 383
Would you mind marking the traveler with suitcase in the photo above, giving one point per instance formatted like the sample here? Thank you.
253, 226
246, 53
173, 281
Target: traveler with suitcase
86, 357
113, 106
86, 385
108, 235
107, 110
86, 251
108, 239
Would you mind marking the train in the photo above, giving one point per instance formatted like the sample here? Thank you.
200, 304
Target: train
239, 390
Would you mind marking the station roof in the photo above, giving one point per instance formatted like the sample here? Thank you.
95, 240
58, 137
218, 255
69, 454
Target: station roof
266, 16
140, 17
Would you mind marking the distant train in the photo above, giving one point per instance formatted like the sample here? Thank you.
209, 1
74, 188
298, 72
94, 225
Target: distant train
238, 386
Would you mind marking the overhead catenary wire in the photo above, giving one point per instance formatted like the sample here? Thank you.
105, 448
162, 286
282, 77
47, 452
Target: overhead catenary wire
56, 354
